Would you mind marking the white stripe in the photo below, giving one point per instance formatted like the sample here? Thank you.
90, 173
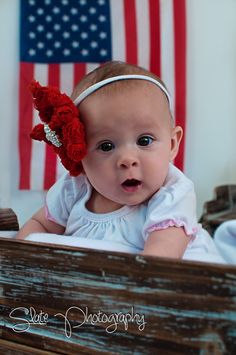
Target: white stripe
90, 67
60, 168
38, 148
143, 33
167, 47
118, 30
41, 73
66, 78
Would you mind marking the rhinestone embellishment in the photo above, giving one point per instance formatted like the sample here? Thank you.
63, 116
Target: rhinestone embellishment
51, 136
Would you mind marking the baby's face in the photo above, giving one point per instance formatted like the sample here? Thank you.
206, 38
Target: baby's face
131, 141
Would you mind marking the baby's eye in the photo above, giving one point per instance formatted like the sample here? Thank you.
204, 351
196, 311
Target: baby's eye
145, 140
106, 146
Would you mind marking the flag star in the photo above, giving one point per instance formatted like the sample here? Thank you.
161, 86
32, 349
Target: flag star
47, 2
49, 35
102, 35
40, 45
57, 44
74, 11
83, 18
66, 34
84, 52
31, 18
83, 2
32, 2
103, 52
74, 27
101, 2
75, 44
49, 53
65, 18
32, 52
92, 10
57, 27
93, 27
56, 10
84, 35
40, 11
40, 28
64, 2
48, 18
32, 35
102, 18
66, 51
94, 44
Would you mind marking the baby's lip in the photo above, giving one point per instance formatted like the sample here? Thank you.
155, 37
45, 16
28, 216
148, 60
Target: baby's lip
131, 185
131, 182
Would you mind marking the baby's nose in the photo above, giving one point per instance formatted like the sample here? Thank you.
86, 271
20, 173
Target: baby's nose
126, 162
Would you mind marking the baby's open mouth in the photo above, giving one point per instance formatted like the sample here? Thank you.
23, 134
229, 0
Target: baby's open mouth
131, 185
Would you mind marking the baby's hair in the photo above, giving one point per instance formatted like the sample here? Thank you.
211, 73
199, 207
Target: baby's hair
108, 70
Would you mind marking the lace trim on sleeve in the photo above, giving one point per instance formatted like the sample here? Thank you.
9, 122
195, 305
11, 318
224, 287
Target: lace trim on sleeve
48, 215
173, 223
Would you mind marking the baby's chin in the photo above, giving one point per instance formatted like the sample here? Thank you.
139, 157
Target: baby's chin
128, 198
135, 201
140, 201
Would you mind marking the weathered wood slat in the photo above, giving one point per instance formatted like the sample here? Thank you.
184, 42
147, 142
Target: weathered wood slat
9, 347
221, 209
8, 220
188, 307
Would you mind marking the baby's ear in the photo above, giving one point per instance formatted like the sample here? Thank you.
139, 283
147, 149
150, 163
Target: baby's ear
176, 136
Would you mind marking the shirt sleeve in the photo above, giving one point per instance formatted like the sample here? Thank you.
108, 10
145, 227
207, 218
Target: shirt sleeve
174, 205
61, 198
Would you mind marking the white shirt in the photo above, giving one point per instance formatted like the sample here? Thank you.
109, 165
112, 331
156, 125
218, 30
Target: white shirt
127, 228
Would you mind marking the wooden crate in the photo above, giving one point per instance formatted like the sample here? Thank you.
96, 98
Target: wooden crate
161, 306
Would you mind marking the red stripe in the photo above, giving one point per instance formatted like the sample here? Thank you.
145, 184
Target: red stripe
51, 157
130, 31
25, 123
180, 72
155, 37
79, 72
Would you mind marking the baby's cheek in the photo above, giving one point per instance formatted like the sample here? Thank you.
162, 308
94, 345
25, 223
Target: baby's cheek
91, 164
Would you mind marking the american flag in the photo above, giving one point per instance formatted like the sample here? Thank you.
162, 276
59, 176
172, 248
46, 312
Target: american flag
62, 40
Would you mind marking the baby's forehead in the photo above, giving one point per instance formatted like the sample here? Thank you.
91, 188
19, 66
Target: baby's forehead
134, 93
136, 105
121, 127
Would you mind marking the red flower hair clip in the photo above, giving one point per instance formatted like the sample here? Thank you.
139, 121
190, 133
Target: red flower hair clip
62, 128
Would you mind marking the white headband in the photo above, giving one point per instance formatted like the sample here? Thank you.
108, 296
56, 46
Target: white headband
98, 85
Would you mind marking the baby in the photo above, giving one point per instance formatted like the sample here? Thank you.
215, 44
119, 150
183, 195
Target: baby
129, 192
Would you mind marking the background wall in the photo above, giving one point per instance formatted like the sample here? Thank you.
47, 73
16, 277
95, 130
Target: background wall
211, 102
